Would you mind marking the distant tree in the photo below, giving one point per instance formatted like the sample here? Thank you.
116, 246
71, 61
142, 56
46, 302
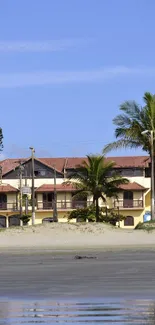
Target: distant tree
97, 177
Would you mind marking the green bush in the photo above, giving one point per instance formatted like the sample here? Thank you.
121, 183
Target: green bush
88, 214
83, 214
113, 218
25, 218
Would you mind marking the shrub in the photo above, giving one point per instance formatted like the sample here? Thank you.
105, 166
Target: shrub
25, 218
84, 214
112, 217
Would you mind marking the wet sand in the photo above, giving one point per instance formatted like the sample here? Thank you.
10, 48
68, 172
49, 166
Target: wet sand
58, 275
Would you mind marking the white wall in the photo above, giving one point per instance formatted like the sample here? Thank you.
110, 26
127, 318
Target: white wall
37, 182
144, 181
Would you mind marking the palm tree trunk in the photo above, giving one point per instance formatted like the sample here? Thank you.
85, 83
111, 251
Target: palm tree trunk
97, 211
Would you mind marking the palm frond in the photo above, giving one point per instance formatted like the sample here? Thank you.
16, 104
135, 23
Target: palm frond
132, 122
119, 144
130, 108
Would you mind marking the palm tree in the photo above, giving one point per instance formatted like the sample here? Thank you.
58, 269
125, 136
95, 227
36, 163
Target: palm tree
132, 122
96, 177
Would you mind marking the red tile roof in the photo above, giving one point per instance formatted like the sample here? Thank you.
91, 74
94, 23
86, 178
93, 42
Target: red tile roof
58, 163
10, 164
59, 188
73, 162
131, 161
5, 188
132, 186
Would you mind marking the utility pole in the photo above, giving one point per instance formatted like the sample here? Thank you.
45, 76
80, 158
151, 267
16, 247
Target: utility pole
151, 132
20, 188
55, 217
0, 175
26, 198
32, 193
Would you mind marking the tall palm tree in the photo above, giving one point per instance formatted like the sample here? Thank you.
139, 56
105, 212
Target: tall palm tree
130, 124
96, 177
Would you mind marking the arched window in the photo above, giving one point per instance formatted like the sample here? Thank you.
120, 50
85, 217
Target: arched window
129, 221
14, 220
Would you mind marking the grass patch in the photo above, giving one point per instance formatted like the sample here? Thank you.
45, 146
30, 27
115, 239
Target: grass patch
149, 225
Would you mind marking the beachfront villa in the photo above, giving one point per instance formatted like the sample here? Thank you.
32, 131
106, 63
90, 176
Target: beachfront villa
51, 173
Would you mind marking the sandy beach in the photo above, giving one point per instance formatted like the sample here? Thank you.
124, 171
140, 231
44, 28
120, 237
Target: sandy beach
72, 236
40, 262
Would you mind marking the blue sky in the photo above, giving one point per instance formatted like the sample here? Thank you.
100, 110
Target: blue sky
66, 66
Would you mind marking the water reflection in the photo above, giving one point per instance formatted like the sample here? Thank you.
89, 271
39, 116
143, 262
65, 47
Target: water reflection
103, 312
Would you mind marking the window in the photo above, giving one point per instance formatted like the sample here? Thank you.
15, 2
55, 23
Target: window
130, 172
147, 172
128, 195
38, 173
42, 172
129, 221
127, 172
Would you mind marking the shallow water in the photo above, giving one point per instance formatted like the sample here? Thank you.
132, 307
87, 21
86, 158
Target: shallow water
77, 312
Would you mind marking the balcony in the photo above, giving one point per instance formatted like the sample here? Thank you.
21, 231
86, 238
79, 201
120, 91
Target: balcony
128, 204
11, 206
63, 205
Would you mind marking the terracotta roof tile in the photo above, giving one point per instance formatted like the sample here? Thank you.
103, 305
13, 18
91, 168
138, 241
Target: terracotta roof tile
73, 162
10, 164
131, 161
5, 188
58, 163
59, 188
132, 186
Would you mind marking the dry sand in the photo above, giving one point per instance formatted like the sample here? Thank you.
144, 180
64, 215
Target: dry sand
70, 236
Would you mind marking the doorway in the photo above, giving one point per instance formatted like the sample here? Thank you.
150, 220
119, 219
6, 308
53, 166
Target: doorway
3, 201
48, 200
128, 199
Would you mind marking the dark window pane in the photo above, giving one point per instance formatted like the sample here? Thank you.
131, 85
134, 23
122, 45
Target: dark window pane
129, 221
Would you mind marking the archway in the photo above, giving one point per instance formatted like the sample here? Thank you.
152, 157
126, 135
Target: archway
2, 221
129, 221
14, 221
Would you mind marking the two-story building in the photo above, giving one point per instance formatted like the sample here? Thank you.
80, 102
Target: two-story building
51, 173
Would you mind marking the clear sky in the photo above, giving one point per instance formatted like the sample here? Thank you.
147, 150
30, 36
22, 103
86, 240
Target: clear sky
66, 66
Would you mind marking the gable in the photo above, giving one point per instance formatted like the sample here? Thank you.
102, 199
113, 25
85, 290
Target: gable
40, 171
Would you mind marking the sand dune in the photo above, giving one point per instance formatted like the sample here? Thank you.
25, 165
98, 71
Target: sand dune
69, 236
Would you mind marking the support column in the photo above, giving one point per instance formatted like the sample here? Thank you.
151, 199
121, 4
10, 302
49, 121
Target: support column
7, 222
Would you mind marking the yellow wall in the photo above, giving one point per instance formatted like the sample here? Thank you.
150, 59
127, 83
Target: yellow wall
61, 196
148, 201
39, 216
11, 200
137, 195
138, 217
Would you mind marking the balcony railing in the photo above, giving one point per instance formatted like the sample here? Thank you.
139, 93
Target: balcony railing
12, 206
62, 205
128, 204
